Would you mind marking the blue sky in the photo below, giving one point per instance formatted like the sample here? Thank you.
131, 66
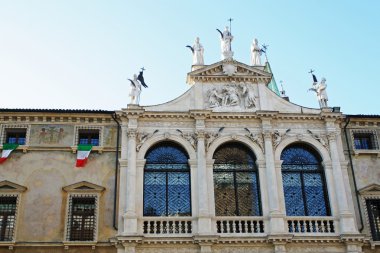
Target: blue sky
79, 53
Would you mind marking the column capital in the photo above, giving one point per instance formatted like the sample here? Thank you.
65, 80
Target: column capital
131, 133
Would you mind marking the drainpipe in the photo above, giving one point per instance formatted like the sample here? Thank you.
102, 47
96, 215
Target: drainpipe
116, 170
353, 175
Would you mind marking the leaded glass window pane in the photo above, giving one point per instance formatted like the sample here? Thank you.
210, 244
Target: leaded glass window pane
167, 181
304, 182
236, 185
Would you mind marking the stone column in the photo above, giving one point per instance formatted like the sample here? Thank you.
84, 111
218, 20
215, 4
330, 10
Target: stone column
123, 162
275, 214
347, 223
204, 220
130, 217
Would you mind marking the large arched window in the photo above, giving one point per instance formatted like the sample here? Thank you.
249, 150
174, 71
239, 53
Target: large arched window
167, 181
236, 183
304, 182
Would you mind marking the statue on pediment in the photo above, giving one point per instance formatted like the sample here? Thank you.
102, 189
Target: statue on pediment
320, 90
255, 53
136, 84
225, 43
197, 51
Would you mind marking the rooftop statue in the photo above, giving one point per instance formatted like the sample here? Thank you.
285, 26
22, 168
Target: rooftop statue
320, 90
255, 53
225, 43
136, 84
197, 50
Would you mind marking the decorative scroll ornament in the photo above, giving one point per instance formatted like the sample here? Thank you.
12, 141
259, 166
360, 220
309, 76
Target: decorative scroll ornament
278, 137
211, 137
257, 138
190, 137
322, 138
142, 137
230, 96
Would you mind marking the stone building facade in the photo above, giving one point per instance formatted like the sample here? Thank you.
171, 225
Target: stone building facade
229, 166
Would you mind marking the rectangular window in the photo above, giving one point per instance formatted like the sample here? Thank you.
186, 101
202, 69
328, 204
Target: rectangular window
82, 219
365, 141
88, 137
7, 217
15, 136
373, 208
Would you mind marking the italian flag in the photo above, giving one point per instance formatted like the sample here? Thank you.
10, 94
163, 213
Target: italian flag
82, 154
7, 149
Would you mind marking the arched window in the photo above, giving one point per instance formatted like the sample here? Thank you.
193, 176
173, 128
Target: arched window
304, 182
167, 181
236, 183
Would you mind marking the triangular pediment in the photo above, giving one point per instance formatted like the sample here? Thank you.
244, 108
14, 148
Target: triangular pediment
7, 186
370, 190
83, 187
229, 70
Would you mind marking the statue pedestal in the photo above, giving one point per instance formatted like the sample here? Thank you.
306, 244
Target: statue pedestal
228, 55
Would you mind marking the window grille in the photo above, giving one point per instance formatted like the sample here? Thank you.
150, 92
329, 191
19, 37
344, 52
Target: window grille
167, 181
88, 137
365, 140
236, 183
373, 209
304, 182
8, 206
82, 218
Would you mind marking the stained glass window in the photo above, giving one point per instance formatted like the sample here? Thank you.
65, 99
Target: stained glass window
167, 181
236, 183
304, 182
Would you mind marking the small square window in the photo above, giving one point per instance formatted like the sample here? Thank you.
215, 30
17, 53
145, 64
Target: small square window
88, 137
8, 206
82, 218
15, 136
365, 141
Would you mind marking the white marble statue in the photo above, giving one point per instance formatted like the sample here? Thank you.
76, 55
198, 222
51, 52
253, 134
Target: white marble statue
135, 90
248, 96
255, 53
225, 43
198, 53
320, 89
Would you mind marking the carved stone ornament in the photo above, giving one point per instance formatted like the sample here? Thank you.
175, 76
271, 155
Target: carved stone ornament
190, 137
229, 69
142, 137
278, 137
256, 138
211, 137
131, 133
322, 138
239, 96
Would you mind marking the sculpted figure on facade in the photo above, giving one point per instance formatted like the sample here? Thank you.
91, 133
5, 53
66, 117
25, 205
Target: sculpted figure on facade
190, 137
198, 53
257, 138
225, 43
278, 137
230, 97
211, 137
322, 138
135, 90
142, 137
320, 90
255, 53
215, 99
248, 96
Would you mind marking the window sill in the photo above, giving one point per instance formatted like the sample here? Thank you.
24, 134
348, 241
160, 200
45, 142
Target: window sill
367, 152
24, 149
67, 244
100, 149
9, 244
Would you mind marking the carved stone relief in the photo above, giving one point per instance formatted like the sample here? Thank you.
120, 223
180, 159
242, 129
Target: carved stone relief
322, 138
257, 138
278, 137
211, 137
233, 95
190, 137
142, 137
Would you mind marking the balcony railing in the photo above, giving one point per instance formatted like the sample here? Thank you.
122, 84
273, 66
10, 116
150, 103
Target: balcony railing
167, 225
239, 225
311, 225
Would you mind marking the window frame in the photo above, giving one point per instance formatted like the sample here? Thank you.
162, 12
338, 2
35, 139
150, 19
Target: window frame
234, 172
6, 128
9, 189
301, 172
79, 129
81, 190
373, 140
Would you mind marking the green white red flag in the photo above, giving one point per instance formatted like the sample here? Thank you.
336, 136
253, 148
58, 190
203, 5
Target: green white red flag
7, 149
82, 154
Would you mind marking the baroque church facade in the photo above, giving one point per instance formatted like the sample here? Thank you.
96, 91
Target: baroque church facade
229, 166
